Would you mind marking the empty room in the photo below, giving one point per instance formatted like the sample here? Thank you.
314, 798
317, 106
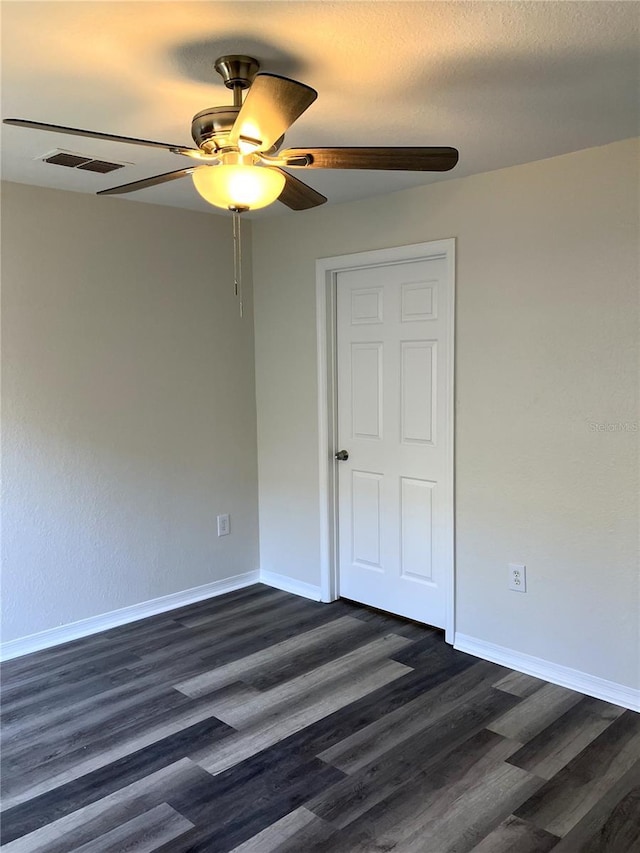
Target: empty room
320, 427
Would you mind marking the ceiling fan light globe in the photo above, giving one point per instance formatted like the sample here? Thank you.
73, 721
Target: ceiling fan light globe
238, 186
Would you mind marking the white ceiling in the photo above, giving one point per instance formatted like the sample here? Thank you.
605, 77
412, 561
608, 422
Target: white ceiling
505, 83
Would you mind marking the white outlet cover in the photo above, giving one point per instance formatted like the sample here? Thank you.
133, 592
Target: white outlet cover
517, 577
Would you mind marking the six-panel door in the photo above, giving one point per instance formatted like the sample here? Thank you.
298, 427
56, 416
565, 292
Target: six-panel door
394, 495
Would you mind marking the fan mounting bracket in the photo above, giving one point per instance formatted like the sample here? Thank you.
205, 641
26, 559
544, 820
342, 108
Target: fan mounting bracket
237, 70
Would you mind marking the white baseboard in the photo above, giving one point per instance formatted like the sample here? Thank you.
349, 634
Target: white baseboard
85, 627
574, 679
306, 590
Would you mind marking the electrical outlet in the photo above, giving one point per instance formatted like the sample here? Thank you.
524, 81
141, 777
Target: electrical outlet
517, 577
223, 524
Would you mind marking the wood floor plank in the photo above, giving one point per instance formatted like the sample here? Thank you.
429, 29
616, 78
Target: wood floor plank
473, 814
217, 604
435, 744
71, 672
345, 721
301, 661
195, 713
123, 726
621, 831
25, 749
202, 641
142, 834
422, 651
37, 661
70, 657
591, 831
272, 730
372, 741
142, 632
60, 657
231, 808
566, 737
519, 684
160, 636
222, 603
387, 623
239, 610
514, 835
535, 713
568, 797
49, 721
295, 832
55, 695
310, 689
248, 667
63, 800
115, 641
213, 650
258, 612
86, 824
429, 797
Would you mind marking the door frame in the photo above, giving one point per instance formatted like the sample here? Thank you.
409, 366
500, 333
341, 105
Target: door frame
327, 270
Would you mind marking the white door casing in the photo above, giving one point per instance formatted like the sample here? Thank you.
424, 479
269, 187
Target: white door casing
385, 370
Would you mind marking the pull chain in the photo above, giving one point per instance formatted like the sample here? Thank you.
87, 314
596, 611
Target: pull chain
237, 256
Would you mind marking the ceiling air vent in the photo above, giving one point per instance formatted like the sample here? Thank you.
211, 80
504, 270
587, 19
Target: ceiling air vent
77, 161
102, 166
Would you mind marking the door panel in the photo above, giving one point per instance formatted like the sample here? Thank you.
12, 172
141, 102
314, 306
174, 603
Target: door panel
395, 507
418, 362
366, 384
416, 524
365, 519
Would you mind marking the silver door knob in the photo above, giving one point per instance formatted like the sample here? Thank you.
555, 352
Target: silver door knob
342, 456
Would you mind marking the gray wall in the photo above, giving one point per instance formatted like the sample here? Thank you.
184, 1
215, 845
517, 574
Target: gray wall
128, 406
547, 345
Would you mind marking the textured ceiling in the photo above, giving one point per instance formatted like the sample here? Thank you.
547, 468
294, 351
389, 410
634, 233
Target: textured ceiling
505, 83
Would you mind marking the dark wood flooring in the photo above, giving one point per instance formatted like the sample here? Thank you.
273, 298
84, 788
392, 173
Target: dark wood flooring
259, 722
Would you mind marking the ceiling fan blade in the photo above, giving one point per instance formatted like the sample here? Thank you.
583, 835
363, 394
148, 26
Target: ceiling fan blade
92, 134
147, 182
406, 159
271, 106
298, 195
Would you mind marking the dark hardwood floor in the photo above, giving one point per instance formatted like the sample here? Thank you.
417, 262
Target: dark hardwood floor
259, 722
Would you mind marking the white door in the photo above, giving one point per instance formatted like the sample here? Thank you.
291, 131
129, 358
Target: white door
395, 421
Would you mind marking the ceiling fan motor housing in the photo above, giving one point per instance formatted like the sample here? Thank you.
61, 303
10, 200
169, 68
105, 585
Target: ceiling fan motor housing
211, 127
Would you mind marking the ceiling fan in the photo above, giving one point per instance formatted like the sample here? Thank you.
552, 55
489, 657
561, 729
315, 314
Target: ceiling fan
239, 164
